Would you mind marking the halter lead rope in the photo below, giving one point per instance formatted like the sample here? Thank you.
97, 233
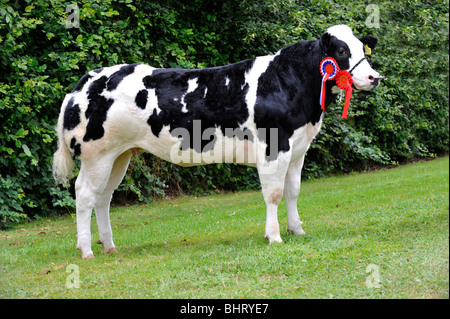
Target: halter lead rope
359, 62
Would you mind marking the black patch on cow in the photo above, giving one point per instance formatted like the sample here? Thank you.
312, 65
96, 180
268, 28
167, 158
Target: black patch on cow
141, 99
81, 82
213, 103
155, 124
79, 86
73, 142
77, 150
71, 115
369, 40
97, 109
99, 70
98, 105
75, 146
119, 75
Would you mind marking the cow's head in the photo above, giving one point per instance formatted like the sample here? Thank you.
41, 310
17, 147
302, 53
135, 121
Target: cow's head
339, 43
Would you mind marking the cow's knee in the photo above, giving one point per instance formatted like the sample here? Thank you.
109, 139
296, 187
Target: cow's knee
273, 196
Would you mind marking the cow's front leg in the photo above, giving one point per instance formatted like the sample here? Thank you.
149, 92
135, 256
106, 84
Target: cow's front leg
291, 192
272, 197
272, 175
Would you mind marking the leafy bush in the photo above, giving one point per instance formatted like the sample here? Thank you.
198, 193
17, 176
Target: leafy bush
41, 60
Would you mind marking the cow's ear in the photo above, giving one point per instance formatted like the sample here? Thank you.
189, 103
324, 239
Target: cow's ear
370, 41
325, 42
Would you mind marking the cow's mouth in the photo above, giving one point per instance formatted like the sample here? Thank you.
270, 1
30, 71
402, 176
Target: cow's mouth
374, 84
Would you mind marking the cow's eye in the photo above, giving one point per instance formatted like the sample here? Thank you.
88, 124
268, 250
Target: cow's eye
342, 52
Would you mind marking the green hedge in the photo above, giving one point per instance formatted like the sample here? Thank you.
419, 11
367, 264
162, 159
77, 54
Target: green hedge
41, 60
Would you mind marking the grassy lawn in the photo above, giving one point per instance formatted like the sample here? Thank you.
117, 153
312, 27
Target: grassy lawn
381, 234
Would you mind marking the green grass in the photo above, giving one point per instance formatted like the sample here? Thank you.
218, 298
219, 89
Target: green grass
214, 247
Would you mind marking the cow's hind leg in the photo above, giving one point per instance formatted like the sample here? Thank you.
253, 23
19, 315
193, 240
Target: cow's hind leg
90, 184
103, 202
291, 192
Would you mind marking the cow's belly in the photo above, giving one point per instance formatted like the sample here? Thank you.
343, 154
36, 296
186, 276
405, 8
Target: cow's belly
221, 149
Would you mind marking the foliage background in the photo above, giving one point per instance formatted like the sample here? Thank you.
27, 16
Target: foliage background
41, 60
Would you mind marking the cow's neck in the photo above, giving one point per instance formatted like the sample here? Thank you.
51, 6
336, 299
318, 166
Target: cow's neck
304, 59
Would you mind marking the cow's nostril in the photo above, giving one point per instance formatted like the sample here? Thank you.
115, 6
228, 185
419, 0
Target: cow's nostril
371, 78
375, 82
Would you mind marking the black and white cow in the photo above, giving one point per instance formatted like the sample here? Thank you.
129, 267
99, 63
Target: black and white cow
263, 112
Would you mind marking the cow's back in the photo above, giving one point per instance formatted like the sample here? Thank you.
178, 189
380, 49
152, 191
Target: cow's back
138, 106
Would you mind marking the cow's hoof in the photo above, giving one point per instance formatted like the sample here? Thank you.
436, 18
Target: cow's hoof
296, 228
106, 249
297, 231
110, 250
273, 239
86, 254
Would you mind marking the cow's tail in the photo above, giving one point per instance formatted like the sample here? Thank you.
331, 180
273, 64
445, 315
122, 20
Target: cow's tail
62, 159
